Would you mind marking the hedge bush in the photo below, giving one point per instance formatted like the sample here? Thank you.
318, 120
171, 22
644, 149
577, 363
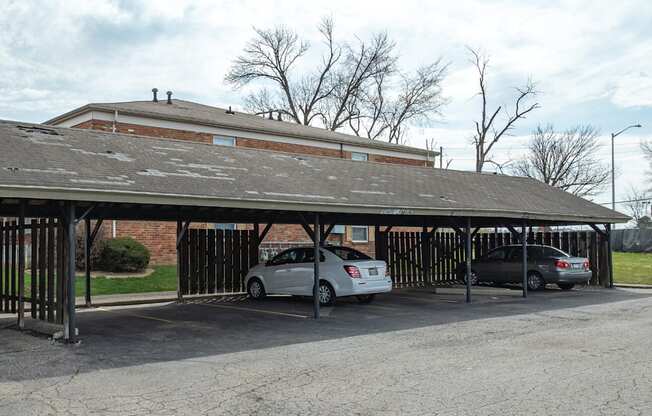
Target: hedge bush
123, 254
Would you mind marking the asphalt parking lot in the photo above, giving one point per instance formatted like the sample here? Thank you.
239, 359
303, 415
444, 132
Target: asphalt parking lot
582, 352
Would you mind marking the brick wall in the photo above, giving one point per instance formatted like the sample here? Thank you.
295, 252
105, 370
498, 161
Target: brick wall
140, 130
160, 237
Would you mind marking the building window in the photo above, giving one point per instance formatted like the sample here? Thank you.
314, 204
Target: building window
224, 141
359, 156
359, 234
224, 226
338, 229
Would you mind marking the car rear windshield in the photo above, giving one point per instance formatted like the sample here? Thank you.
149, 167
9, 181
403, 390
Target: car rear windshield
346, 253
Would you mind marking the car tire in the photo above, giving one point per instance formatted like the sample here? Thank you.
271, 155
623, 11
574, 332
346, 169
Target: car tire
566, 286
256, 289
474, 278
365, 298
535, 281
326, 294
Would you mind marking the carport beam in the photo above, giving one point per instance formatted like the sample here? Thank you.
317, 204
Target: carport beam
524, 245
468, 259
315, 287
21, 265
69, 331
87, 260
607, 229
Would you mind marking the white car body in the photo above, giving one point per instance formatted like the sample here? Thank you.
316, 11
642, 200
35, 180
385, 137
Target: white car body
297, 277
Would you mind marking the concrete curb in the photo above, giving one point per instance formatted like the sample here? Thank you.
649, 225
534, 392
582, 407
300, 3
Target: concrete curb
632, 286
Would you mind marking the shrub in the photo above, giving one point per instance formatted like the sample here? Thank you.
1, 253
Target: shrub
123, 255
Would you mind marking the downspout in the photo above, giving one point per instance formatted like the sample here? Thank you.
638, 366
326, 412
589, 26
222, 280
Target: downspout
114, 223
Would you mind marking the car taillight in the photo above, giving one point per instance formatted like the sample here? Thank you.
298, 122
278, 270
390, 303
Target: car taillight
561, 264
587, 265
352, 271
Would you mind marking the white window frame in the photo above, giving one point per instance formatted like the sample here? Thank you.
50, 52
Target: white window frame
223, 140
359, 156
353, 240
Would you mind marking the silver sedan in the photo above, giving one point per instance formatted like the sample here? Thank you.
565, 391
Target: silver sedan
545, 265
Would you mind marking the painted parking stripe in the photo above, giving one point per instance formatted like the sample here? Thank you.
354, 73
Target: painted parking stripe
240, 308
135, 315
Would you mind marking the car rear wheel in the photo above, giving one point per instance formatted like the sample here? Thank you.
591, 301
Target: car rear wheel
535, 281
566, 286
365, 298
255, 289
326, 294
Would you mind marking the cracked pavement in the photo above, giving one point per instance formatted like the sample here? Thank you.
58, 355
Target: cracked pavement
584, 352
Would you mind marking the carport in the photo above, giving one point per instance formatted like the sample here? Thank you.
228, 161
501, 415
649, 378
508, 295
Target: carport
58, 177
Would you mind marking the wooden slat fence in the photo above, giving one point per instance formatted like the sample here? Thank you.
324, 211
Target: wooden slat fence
216, 261
417, 259
44, 293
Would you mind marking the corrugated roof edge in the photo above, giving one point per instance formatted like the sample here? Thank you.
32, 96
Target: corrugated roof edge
372, 143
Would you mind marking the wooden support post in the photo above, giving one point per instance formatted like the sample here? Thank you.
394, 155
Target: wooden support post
469, 237
524, 245
315, 288
87, 260
21, 266
182, 229
69, 328
610, 260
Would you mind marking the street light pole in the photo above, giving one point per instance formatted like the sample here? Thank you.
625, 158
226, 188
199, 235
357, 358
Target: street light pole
613, 164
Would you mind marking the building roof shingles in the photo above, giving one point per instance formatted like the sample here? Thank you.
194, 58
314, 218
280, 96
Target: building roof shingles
191, 112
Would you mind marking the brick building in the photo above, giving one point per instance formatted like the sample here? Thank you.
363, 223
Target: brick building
185, 120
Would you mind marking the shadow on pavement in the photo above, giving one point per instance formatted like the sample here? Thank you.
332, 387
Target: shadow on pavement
129, 336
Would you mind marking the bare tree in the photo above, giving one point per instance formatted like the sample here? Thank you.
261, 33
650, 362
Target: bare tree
637, 203
350, 89
566, 160
491, 128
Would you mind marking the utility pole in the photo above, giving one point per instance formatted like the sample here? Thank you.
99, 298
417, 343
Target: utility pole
441, 157
613, 164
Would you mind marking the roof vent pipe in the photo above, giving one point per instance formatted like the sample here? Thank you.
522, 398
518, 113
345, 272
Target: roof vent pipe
154, 92
169, 93
229, 111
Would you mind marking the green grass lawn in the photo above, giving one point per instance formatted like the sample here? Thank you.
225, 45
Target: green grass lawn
164, 278
633, 268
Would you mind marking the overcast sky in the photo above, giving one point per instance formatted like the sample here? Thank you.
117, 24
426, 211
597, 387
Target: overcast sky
592, 60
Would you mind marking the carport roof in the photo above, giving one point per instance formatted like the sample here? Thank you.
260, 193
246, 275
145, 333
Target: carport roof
52, 163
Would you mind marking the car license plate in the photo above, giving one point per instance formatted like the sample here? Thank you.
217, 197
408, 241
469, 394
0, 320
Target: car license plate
577, 266
373, 272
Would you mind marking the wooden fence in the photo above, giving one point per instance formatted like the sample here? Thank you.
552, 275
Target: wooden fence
44, 294
424, 258
216, 261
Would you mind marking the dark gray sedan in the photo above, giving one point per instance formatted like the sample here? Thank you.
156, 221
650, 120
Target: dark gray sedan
545, 265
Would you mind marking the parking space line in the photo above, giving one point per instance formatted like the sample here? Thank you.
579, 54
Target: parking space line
135, 315
240, 308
